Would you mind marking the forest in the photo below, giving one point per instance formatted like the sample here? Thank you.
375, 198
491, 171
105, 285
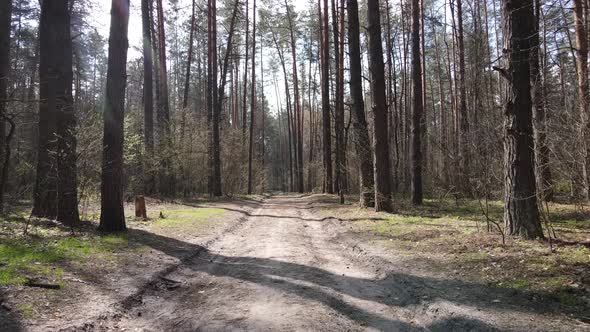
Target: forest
389, 165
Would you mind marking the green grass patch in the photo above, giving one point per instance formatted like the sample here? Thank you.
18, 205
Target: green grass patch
396, 225
516, 284
24, 257
472, 257
26, 309
180, 218
576, 255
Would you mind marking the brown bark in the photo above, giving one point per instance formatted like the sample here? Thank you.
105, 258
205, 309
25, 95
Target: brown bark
443, 172
252, 100
56, 185
361, 134
166, 176
339, 105
538, 72
297, 104
583, 93
140, 209
463, 128
326, 121
5, 20
45, 192
187, 76
219, 101
417, 110
245, 98
521, 213
290, 131
379, 108
67, 179
148, 92
112, 216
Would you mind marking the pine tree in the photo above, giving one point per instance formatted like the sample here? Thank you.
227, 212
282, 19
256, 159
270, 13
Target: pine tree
112, 216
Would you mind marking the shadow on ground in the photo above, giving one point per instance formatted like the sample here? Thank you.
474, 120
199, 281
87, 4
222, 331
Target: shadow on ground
395, 289
9, 319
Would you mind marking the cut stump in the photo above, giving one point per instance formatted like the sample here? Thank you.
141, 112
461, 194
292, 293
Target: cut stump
140, 209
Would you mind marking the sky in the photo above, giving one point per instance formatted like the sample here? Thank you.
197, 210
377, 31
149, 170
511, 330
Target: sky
102, 23
101, 20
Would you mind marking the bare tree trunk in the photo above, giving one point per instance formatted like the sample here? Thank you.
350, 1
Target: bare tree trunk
417, 110
219, 101
56, 185
148, 93
112, 216
380, 138
5, 22
463, 135
326, 121
583, 91
67, 179
442, 115
187, 77
297, 104
423, 122
339, 105
245, 98
163, 113
252, 100
521, 213
45, 192
361, 133
543, 171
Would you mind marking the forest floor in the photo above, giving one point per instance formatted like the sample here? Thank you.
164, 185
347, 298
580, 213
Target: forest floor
296, 262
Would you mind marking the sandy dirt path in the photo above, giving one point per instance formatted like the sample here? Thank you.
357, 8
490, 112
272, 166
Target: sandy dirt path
284, 270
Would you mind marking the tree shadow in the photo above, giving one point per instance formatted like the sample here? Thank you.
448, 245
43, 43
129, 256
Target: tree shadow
393, 289
249, 214
10, 320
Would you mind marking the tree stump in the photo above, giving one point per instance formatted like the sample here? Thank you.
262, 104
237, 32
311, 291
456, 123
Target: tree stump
140, 209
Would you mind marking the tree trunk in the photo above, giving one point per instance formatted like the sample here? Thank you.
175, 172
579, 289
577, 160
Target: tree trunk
583, 93
361, 133
521, 213
463, 134
252, 100
187, 76
338, 101
538, 72
327, 131
297, 105
442, 115
140, 209
45, 192
245, 98
112, 216
219, 101
148, 93
417, 109
67, 180
380, 138
163, 113
5, 20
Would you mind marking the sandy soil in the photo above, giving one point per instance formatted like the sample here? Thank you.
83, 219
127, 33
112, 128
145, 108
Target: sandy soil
283, 268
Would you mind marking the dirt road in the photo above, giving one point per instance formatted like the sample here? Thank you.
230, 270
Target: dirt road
284, 269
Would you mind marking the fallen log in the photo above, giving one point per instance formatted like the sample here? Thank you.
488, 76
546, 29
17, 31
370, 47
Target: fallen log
40, 284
